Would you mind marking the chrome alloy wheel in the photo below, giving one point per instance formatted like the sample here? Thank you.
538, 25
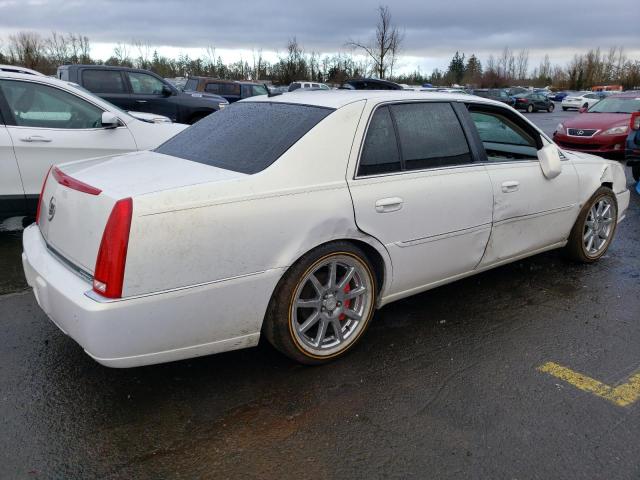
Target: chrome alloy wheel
332, 304
598, 226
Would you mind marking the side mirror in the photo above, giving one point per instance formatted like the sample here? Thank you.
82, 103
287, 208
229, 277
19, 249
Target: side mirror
582, 110
635, 121
109, 120
166, 91
550, 162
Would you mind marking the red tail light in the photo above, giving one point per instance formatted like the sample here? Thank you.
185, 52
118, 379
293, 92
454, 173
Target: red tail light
112, 256
64, 179
44, 184
635, 121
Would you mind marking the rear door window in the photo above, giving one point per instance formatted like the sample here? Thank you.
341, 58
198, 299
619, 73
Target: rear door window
430, 135
380, 150
103, 81
242, 137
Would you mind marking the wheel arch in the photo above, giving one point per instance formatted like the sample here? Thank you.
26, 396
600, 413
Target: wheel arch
376, 253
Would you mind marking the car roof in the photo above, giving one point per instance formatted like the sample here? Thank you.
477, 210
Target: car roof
628, 94
18, 69
220, 80
340, 98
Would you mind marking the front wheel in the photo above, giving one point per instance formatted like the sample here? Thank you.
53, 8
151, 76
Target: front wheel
594, 229
551, 108
322, 305
564, 109
529, 108
635, 171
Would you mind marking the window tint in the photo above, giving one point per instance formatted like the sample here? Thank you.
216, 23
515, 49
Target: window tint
242, 137
223, 88
380, 150
145, 84
430, 135
42, 106
258, 90
191, 85
503, 139
103, 81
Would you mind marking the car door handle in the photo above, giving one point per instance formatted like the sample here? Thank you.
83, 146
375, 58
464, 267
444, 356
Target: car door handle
391, 204
141, 101
511, 186
35, 138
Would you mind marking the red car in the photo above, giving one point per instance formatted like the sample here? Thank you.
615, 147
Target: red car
603, 129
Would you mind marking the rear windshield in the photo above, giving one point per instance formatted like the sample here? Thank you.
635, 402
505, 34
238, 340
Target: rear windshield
245, 137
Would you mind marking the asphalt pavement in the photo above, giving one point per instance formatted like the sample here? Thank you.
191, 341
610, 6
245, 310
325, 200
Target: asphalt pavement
528, 371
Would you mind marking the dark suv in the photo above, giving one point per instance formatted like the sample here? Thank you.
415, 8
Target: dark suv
495, 94
142, 91
229, 89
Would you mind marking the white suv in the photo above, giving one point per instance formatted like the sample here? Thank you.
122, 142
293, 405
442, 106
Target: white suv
44, 121
307, 85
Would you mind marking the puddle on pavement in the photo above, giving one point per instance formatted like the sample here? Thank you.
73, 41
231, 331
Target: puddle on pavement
11, 274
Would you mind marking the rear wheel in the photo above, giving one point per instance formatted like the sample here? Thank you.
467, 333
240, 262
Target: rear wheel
322, 305
586, 105
594, 229
529, 108
551, 108
564, 109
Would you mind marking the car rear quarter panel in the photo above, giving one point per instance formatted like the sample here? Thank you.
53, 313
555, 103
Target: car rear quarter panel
213, 232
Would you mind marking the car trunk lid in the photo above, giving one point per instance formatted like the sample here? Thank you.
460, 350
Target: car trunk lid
78, 200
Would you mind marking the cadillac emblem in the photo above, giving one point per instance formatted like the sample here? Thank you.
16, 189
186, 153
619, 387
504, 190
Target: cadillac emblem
52, 208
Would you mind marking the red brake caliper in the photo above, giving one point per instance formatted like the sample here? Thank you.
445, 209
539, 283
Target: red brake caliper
347, 303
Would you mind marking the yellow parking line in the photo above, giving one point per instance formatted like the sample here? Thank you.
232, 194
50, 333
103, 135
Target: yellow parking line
622, 395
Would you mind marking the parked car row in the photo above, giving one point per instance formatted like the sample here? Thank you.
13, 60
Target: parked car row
142, 90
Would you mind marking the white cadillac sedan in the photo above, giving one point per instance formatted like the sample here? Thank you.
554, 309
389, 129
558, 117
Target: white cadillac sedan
297, 216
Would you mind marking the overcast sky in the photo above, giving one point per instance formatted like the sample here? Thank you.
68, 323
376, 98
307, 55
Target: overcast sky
433, 30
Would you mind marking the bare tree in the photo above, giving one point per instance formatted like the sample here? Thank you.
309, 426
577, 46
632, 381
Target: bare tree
26, 49
385, 48
522, 65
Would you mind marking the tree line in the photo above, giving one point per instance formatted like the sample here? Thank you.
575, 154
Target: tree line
380, 59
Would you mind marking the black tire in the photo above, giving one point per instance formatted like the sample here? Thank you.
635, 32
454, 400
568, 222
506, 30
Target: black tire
575, 248
586, 105
564, 109
278, 326
529, 108
551, 108
635, 171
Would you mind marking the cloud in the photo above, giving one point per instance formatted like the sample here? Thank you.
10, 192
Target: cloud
432, 30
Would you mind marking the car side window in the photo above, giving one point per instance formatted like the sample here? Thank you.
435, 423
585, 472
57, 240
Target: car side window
42, 106
145, 84
103, 81
430, 135
380, 150
212, 88
191, 85
503, 139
